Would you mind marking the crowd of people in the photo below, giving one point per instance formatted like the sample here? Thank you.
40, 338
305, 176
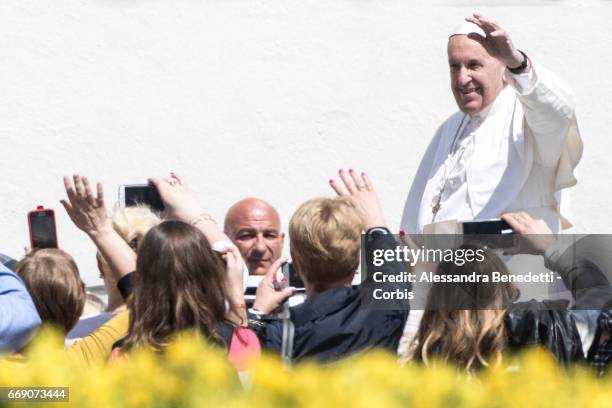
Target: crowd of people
178, 270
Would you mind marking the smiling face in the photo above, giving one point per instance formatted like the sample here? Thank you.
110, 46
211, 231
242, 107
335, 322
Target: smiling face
476, 77
254, 227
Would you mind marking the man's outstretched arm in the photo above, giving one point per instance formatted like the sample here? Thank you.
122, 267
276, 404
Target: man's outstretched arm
548, 104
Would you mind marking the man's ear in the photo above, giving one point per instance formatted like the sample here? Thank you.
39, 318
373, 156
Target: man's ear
282, 236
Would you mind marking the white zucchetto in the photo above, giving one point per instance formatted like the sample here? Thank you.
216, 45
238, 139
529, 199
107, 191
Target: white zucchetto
466, 28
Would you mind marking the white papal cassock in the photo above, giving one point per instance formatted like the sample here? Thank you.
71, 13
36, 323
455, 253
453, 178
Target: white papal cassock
519, 154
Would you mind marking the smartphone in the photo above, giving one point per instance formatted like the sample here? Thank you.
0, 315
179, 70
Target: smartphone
43, 233
135, 194
293, 279
495, 226
493, 233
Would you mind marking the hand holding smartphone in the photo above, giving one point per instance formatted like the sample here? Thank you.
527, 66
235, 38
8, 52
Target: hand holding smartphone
292, 277
496, 233
43, 232
134, 194
495, 226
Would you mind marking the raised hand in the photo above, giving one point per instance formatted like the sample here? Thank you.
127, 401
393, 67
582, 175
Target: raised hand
181, 205
497, 42
267, 298
179, 202
535, 234
235, 268
84, 207
358, 189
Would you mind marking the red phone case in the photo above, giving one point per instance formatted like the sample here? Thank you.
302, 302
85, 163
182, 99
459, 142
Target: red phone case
40, 209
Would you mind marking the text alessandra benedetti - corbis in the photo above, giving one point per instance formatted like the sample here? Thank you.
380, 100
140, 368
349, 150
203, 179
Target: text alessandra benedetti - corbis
431, 277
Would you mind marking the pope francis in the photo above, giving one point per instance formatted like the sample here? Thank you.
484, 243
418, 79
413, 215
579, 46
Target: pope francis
512, 146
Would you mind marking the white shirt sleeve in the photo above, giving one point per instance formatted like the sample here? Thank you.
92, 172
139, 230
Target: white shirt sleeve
525, 82
548, 106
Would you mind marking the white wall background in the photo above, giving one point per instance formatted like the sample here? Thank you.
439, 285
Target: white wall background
265, 98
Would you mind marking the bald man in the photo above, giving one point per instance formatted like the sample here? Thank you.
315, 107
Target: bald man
254, 226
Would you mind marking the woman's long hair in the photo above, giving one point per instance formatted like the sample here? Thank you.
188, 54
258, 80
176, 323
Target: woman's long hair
463, 323
180, 283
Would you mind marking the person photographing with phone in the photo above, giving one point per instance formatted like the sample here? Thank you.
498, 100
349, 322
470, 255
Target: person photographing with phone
177, 281
477, 325
325, 242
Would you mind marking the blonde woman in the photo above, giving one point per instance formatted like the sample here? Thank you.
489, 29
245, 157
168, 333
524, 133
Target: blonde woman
132, 224
177, 281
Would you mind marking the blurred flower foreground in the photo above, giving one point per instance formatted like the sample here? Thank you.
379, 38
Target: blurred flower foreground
192, 374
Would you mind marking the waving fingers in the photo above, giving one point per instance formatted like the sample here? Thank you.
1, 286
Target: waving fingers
487, 24
88, 193
353, 183
366, 181
70, 191
78, 186
100, 197
347, 179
